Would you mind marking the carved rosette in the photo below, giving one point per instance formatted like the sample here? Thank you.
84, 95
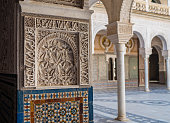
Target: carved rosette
55, 52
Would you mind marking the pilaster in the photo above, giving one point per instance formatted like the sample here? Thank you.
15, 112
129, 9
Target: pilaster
145, 53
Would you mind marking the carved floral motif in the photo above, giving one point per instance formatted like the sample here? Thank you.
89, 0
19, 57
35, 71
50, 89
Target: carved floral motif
56, 59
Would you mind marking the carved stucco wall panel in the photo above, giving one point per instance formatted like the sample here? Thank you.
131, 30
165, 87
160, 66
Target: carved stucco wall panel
29, 57
55, 52
57, 58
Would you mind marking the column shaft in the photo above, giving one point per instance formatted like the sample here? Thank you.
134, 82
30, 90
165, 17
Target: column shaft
146, 75
121, 82
147, 5
107, 72
168, 73
113, 69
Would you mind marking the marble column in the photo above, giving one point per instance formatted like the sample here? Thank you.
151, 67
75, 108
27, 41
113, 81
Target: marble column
146, 74
107, 68
147, 5
120, 33
169, 6
168, 73
120, 47
113, 63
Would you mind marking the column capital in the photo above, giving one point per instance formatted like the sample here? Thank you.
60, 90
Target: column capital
145, 52
119, 32
110, 55
166, 54
120, 47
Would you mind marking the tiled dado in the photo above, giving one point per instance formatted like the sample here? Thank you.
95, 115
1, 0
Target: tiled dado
55, 106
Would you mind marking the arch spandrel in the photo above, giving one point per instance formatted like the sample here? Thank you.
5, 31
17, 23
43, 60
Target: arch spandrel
163, 40
117, 10
141, 38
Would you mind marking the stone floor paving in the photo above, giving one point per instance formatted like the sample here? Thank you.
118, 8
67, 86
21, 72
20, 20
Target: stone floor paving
142, 107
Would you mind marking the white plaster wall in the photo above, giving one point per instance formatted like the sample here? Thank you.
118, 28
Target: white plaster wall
146, 26
149, 27
99, 20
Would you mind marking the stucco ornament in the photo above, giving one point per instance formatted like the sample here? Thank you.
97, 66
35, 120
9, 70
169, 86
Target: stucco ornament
129, 45
55, 51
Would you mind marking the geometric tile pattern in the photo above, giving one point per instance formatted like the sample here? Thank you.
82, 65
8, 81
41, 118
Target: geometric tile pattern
145, 102
132, 117
59, 107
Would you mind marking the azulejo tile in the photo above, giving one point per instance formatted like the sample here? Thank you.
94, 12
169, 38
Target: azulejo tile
60, 107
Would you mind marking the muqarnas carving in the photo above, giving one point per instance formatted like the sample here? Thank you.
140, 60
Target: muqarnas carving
57, 56
75, 3
55, 52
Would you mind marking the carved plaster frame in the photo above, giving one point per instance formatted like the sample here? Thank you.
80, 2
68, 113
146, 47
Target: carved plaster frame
83, 32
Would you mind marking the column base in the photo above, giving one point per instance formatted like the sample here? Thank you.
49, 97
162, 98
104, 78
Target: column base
122, 119
168, 89
147, 90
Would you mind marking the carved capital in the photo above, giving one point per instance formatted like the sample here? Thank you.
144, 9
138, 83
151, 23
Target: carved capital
145, 52
119, 32
110, 55
166, 54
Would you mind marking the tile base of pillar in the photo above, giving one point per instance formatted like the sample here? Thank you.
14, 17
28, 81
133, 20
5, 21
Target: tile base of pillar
77, 103
122, 119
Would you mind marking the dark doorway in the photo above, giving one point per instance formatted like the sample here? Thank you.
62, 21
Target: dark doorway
115, 69
110, 69
154, 66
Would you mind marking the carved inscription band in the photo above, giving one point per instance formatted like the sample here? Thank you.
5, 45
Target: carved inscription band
75, 3
55, 52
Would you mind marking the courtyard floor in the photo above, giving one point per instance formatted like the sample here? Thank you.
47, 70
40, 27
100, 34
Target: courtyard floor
142, 107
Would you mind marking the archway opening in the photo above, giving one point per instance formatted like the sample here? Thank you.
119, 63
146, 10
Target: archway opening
132, 62
157, 67
154, 66
140, 47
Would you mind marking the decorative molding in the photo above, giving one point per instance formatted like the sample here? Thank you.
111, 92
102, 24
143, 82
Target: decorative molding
52, 51
151, 7
75, 3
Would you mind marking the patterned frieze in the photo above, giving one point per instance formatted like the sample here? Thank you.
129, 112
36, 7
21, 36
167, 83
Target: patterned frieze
55, 52
75, 3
